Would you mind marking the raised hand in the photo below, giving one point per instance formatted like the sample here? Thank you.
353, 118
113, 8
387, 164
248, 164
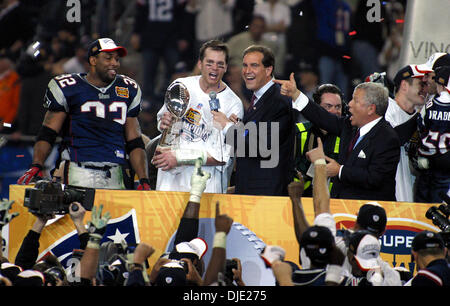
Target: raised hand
97, 225
316, 153
289, 87
223, 222
198, 182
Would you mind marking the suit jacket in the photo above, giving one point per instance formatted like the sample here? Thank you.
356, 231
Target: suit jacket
252, 179
369, 170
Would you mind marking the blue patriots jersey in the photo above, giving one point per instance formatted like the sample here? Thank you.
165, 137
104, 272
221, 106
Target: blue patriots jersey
94, 129
434, 127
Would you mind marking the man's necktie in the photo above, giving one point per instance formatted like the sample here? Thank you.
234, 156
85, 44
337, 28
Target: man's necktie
352, 143
252, 103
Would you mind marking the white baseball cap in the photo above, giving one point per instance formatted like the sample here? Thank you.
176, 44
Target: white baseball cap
366, 249
435, 60
196, 246
105, 45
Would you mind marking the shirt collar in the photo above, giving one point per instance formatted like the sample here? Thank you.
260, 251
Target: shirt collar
260, 92
368, 126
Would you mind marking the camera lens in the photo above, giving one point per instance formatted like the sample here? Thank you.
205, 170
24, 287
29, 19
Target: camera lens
437, 218
445, 209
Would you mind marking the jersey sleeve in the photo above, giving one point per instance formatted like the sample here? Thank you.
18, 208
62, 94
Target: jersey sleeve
136, 104
54, 99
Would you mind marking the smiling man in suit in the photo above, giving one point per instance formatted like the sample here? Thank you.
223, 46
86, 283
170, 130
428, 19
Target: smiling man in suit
369, 147
272, 115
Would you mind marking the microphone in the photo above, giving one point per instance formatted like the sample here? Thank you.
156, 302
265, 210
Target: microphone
214, 104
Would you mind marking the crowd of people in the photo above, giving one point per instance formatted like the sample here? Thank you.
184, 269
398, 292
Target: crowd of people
248, 127
328, 258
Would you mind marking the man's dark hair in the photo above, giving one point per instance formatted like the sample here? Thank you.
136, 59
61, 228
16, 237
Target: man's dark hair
408, 80
327, 88
215, 45
268, 57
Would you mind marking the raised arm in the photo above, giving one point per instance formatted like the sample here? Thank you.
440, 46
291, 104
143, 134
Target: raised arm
295, 191
217, 262
321, 194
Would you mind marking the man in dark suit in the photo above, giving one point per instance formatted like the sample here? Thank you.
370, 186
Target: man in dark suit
268, 123
369, 147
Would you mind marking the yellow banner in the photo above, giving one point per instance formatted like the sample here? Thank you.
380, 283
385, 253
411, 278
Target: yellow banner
260, 219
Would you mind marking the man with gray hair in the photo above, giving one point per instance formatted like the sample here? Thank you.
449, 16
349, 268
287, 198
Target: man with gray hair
369, 147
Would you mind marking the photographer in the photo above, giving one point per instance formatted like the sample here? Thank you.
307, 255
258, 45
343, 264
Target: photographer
137, 276
428, 251
440, 217
29, 250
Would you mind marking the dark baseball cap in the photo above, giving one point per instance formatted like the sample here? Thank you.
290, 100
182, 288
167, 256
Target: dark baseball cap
406, 72
437, 59
443, 76
372, 217
29, 278
427, 240
171, 274
105, 45
10, 270
317, 241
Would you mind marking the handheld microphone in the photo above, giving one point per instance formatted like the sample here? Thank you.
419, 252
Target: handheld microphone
214, 104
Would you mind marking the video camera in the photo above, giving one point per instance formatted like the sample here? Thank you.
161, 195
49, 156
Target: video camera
440, 217
47, 198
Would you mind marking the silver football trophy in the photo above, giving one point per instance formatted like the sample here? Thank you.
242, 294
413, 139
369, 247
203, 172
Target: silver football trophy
176, 100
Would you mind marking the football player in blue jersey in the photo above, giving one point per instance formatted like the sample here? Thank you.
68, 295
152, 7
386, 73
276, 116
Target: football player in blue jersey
434, 147
96, 114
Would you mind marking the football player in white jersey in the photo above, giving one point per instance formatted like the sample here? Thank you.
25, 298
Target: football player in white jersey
410, 94
203, 131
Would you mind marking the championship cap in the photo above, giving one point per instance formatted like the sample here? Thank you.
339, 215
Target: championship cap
10, 270
437, 59
427, 240
372, 217
105, 45
317, 242
171, 274
443, 76
406, 72
29, 278
196, 246
366, 249
271, 253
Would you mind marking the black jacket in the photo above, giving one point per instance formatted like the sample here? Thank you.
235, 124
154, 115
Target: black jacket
253, 176
369, 171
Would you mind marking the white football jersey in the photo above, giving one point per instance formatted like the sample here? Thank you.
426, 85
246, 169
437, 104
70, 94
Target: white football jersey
197, 131
403, 178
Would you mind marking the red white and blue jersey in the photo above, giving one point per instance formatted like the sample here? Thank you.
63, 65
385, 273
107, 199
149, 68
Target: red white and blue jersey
94, 128
434, 126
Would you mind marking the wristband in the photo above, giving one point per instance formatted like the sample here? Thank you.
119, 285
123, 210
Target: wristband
333, 274
137, 266
93, 244
94, 240
189, 156
220, 240
194, 198
320, 161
